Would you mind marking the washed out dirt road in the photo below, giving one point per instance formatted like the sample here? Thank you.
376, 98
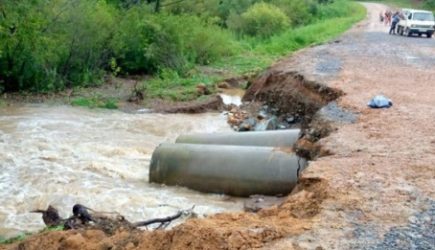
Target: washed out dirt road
381, 176
375, 191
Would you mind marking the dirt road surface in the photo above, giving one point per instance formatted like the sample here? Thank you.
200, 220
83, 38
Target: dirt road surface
381, 175
376, 190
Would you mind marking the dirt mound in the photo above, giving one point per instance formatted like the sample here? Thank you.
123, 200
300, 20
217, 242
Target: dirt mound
220, 231
291, 93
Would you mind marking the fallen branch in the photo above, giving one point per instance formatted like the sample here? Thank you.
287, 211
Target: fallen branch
158, 220
84, 217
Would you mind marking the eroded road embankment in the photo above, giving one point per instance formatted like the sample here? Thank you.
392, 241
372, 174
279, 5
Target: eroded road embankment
374, 190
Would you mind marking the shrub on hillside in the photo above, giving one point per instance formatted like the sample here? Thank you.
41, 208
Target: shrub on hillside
149, 42
298, 11
52, 45
219, 10
430, 4
263, 20
338, 8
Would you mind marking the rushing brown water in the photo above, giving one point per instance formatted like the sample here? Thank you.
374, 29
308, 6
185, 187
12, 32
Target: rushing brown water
232, 96
63, 155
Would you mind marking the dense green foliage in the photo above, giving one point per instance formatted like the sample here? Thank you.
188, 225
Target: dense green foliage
263, 20
257, 54
50, 45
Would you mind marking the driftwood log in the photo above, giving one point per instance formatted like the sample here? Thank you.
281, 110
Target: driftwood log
109, 222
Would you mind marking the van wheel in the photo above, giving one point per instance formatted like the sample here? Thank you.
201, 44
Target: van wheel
429, 35
407, 32
400, 30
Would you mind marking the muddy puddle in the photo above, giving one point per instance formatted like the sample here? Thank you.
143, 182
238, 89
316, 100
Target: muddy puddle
64, 155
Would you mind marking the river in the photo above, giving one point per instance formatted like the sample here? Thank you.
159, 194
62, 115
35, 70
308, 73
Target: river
62, 155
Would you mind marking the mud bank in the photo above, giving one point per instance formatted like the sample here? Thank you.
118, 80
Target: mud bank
220, 231
291, 94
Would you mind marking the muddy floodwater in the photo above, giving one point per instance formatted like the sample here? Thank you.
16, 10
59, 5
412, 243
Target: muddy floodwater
232, 96
62, 155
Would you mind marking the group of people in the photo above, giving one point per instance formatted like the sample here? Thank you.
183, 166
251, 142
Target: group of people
388, 18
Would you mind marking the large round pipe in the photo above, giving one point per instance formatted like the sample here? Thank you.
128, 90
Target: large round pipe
276, 138
233, 170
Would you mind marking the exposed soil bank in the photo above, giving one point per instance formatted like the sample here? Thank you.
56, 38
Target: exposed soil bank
212, 103
221, 231
291, 94
376, 189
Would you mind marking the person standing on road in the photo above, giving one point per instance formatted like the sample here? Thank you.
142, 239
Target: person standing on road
395, 21
388, 14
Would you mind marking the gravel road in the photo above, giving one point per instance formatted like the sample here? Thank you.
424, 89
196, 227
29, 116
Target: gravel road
382, 173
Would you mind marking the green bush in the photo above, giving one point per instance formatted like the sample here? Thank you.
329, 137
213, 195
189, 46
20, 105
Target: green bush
264, 20
135, 34
217, 10
298, 11
430, 4
55, 44
208, 44
339, 8
147, 43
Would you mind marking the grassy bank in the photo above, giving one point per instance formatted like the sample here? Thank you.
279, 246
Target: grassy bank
62, 45
255, 55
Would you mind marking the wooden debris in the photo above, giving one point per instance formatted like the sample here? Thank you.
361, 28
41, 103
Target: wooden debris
108, 222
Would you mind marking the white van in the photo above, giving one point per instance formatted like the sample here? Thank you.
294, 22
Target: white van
416, 22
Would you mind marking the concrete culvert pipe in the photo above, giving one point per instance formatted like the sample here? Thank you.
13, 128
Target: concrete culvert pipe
233, 170
276, 138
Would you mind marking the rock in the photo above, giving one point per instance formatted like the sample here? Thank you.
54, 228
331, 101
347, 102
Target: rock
232, 120
262, 115
290, 119
247, 124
